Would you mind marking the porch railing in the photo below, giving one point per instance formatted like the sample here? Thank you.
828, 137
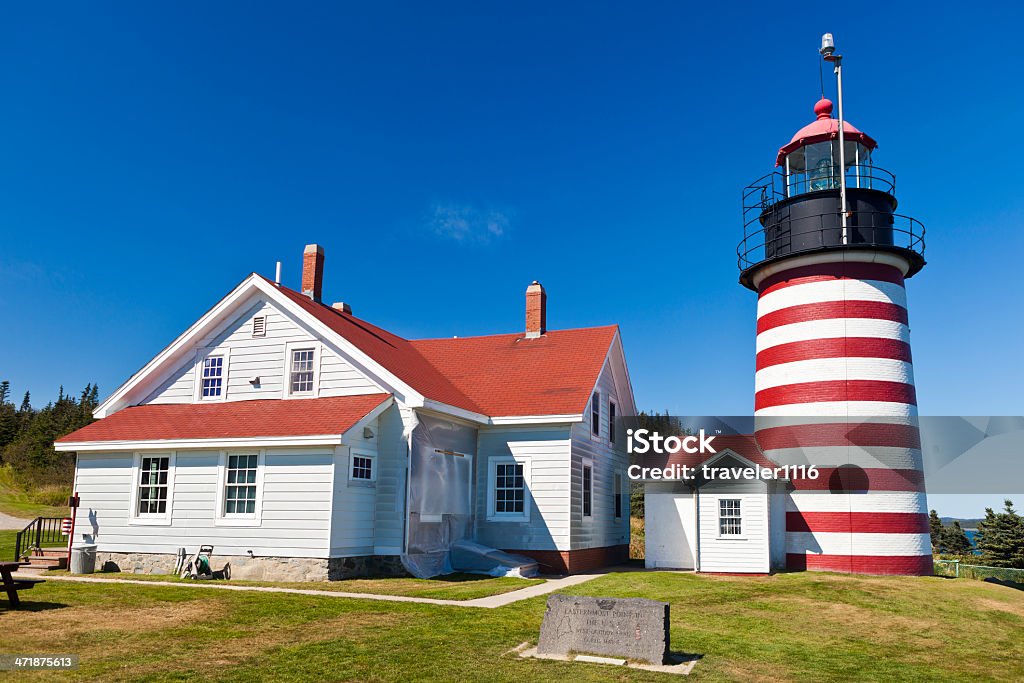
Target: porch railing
41, 532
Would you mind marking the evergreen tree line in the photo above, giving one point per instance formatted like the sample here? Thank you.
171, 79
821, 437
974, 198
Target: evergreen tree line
27, 434
999, 539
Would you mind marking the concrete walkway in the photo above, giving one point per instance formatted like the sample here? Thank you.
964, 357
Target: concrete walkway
489, 602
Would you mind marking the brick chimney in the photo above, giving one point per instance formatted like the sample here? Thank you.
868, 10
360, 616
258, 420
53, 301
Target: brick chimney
313, 271
536, 311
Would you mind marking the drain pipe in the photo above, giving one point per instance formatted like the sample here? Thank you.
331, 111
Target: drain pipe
696, 528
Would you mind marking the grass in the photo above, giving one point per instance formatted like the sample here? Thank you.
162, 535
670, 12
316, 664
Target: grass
450, 587
798, 627
42, 502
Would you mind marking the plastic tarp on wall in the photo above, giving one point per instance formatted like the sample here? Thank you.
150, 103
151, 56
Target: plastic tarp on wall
440, 493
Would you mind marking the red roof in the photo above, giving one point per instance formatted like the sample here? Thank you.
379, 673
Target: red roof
821, 129
506, 374
230, 419
499, 375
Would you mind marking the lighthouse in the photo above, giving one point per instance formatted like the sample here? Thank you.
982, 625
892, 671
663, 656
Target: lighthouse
829, 256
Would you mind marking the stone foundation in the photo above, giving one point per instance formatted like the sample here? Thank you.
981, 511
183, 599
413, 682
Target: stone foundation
261, 568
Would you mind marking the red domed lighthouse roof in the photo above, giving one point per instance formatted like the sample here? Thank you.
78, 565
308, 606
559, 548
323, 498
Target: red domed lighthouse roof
824, 128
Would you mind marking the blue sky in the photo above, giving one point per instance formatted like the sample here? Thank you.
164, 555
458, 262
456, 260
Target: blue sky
447, 155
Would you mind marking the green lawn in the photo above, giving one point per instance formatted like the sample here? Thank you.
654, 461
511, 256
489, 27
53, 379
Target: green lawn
801, 627
450, 587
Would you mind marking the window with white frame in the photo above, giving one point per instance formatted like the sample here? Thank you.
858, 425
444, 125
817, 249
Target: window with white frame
595, 414
508, 492
588, 488
618, 496
362, 468
730, 519
240, 484
301, 373
153, 485
611, 421
212, 378
259, 326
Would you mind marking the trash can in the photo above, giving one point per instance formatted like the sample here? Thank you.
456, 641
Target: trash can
83, 559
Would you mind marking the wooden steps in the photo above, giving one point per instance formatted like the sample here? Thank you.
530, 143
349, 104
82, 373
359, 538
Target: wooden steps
42, 561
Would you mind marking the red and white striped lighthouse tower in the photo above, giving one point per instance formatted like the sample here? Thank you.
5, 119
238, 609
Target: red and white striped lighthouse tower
828, 257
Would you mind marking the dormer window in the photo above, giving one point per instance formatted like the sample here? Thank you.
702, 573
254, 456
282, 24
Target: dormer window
301, 376
213, 377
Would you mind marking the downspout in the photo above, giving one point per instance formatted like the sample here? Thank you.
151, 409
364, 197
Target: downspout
409, 423
696, 529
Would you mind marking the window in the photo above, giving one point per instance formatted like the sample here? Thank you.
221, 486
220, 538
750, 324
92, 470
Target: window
595, 414
153, 486
588, 488
508, 493
509, 488
213, 377
362, 467
729, 518
611, 421
240, 485
259, 326
301, 375
618, 496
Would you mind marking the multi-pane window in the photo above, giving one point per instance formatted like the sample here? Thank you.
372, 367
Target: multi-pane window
729, 517
362, 467
618, 496
509, 488
153, 485
588, 490
611, 421
595, 414
240, 485
301, 377
213, 376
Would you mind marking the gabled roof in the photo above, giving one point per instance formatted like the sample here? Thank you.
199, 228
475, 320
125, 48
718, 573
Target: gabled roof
230, 419
506, 374
497, 375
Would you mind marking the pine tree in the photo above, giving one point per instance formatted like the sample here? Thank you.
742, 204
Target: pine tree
1000, 537
955, 541
5, 391
935, 526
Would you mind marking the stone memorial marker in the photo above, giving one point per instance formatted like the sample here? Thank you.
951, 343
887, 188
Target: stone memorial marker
631, 628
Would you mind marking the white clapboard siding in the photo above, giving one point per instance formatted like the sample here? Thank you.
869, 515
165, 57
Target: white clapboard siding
548, 452
296, 505
749, 551
250, 357
602, 528
389, 509
354, 506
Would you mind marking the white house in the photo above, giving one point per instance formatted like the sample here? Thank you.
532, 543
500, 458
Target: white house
302, 441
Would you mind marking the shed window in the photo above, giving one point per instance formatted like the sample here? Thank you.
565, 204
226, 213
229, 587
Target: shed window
588, 490
729, 517
240, 485
213, 377
595, 414
301, 380
153, 485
